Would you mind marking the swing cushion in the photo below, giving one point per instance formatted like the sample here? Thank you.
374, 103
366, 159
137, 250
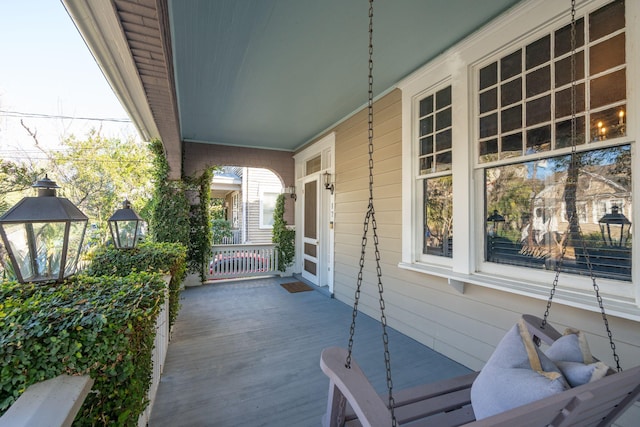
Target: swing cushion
517, 373
572, 355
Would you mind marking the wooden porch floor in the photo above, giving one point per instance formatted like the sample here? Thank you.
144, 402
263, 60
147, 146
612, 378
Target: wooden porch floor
247, 353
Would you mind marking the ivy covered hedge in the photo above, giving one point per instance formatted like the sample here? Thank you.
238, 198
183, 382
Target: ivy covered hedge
147, 256
102, 326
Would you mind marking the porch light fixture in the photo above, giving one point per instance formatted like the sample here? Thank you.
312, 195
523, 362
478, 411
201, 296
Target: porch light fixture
125, 225
610, 224
495, 219
291, 191
328, 185
43, 235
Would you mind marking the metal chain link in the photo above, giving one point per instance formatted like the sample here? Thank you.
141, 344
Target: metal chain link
370, 218
572, 185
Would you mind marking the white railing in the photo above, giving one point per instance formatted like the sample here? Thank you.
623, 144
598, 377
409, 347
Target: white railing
231, 261
54, 402
233, 240
158, 355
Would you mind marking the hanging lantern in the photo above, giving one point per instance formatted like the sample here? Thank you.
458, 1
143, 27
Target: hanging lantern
125, 225
615, 228
43, 235
496, 220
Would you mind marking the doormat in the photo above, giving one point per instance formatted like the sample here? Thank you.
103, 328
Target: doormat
294, 287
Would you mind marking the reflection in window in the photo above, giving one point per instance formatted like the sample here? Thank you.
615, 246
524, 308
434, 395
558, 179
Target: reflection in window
438, 216
535, 207
268, 205
434, 144
530, 89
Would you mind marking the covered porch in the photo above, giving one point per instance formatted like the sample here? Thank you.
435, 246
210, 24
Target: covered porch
246, 353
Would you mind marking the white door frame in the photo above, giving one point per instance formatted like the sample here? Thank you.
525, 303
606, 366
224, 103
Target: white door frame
325, 215
316, 259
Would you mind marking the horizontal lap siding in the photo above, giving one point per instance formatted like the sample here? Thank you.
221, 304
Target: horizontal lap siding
465, 327
257, 177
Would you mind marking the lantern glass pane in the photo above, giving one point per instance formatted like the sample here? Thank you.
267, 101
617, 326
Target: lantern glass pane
17, 237
76, 235
127, 233
49, 241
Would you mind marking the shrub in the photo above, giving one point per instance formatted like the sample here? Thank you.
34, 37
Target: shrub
101, 326
166, 258
169, 206
221, 229
283, 237
199, 247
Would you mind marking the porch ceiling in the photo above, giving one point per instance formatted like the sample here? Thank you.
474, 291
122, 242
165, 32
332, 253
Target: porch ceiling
261, 73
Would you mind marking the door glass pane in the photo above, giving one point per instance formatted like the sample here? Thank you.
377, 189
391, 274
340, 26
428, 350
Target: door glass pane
310, 209
310, 267
310, 249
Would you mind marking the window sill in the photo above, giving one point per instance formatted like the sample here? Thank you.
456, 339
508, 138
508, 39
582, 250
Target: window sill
625, 308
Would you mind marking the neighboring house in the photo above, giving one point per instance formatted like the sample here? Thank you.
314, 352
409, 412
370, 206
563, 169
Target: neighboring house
445, 124
249, 196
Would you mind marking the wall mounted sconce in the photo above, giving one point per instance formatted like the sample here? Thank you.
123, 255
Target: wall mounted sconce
291, 191
328, 185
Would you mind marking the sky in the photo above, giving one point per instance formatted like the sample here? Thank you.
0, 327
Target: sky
46, 69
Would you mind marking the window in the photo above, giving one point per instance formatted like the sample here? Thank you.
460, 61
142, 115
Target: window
524, 98
434, 166
235, 210
267, 206
524, 124
510, 127
531, 230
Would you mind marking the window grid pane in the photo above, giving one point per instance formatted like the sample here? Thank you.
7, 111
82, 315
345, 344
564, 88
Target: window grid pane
434, 132
520, 90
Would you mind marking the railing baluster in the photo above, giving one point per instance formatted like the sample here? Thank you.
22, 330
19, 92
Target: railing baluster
230, 261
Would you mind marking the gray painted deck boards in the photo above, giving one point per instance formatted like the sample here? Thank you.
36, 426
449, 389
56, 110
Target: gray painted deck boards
247, 354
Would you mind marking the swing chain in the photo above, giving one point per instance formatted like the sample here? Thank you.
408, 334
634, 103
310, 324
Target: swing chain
370, 218
572, 187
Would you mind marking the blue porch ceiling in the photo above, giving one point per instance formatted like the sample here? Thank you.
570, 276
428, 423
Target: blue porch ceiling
275, 73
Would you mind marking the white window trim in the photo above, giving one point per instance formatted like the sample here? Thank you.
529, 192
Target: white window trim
524, 23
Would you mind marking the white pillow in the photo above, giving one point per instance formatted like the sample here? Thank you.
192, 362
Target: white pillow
572, 355
517, 373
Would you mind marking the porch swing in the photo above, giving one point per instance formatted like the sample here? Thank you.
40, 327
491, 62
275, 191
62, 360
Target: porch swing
353, 401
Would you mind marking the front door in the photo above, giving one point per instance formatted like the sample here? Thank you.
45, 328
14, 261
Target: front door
310, 228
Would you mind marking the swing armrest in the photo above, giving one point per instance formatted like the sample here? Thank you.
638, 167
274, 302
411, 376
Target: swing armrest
548, 333
355, 387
